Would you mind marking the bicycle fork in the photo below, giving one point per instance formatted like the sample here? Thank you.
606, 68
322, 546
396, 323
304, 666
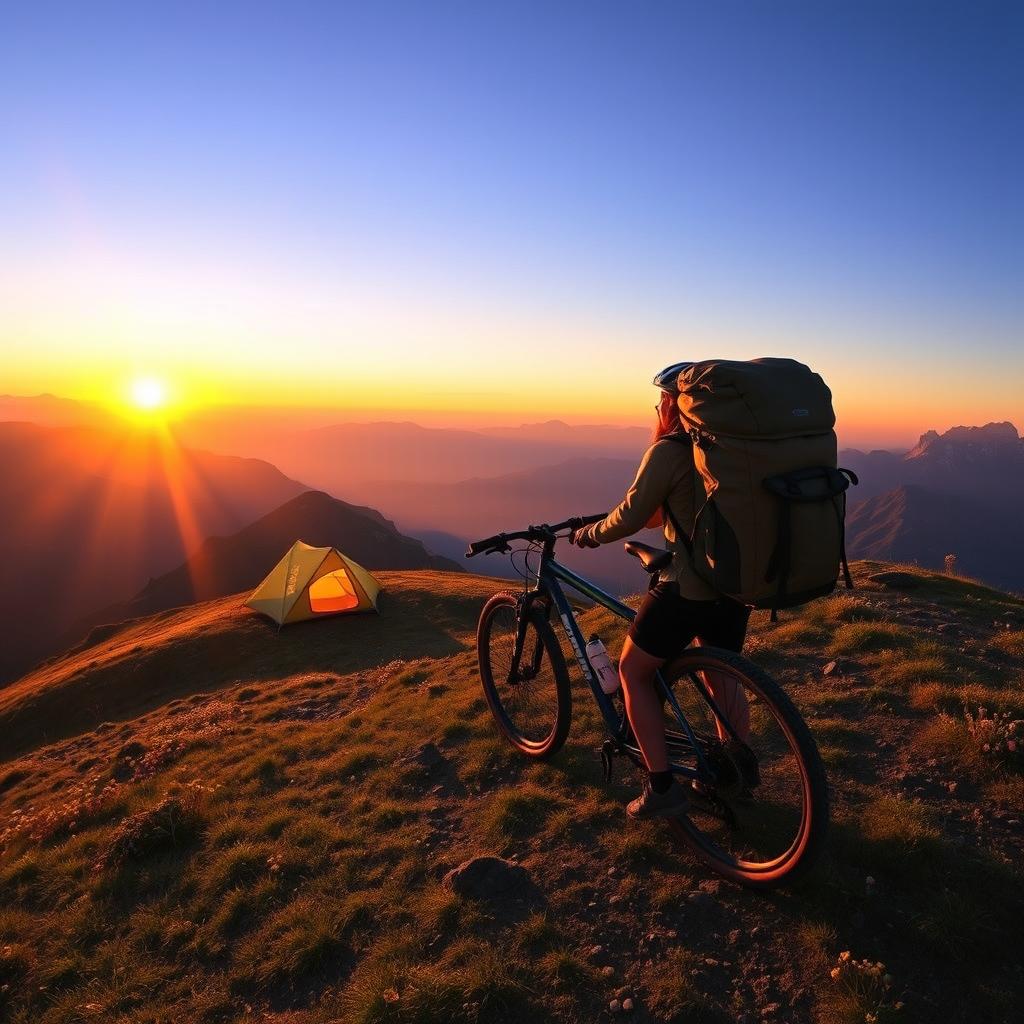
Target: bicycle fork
516, 673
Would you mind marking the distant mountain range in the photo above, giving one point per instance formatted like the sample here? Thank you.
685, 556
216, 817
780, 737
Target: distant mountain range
960, 493
479, 507
353, 458
90, 515
228, 565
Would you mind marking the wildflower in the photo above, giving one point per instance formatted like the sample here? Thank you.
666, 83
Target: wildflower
835, 973
844, 956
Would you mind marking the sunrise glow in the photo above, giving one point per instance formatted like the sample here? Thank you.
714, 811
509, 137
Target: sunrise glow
148, 393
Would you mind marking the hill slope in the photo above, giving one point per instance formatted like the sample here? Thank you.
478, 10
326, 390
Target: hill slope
227, 565
89, 515
918, 524
245, 824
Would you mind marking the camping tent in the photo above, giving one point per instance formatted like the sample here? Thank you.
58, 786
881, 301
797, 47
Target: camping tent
309, 582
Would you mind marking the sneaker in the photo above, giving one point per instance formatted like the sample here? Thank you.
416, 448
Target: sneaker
746, 761
670, 804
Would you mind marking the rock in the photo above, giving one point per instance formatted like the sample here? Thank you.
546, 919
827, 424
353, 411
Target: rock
896, 580
832, 668
492, 879
627, 1005
608, 970
615, 1006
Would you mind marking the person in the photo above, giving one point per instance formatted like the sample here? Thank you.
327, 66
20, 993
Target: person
681, 607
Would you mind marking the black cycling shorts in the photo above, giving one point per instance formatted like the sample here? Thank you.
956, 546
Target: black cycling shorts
667, 623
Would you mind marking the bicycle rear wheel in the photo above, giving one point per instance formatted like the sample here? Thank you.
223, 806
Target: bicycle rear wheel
532, 709
761, 818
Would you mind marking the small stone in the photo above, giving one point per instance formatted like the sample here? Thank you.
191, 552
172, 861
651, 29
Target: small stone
627, 1005
710, 961
755, 931
608, 971
615, 1006
490, 878
831, 668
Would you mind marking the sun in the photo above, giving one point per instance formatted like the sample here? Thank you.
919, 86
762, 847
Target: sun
148, 400
148, 393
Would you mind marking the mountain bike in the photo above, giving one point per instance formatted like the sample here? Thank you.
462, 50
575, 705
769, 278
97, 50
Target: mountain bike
758, 802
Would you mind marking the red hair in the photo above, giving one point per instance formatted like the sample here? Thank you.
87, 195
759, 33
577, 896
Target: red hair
666, 424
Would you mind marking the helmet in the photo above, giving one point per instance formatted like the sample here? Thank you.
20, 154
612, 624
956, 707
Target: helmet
668, 379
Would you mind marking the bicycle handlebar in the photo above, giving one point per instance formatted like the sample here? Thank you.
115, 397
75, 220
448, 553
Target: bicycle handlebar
500, 541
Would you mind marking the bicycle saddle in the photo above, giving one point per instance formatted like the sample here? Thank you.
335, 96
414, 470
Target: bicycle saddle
652, 559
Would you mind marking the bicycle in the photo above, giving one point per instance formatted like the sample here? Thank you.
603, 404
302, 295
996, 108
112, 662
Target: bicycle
758, 817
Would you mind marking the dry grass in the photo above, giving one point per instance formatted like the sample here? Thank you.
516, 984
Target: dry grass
260, 834
1010, 642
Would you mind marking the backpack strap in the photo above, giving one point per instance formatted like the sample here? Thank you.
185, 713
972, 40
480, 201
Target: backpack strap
667, 513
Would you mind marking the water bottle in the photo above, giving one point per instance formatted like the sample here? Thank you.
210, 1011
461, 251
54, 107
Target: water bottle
607, 673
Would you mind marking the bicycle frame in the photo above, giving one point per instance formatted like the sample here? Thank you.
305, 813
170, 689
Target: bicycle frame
551, 574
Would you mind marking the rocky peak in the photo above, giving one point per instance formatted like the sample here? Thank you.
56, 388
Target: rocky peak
970, 443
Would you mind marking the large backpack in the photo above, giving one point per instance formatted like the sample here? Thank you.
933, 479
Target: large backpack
771, 531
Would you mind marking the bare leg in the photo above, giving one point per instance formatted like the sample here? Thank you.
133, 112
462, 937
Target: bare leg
636, 670
732, 700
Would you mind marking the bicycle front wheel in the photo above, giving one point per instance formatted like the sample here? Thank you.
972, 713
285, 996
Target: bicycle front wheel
760, 816
532, 706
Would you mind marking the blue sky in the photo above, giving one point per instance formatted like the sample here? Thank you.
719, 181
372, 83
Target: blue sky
586, 189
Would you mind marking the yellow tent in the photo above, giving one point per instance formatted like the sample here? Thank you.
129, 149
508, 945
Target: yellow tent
309, 582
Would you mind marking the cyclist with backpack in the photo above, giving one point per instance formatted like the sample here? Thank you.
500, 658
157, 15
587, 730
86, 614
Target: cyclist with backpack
742, 478
680, 607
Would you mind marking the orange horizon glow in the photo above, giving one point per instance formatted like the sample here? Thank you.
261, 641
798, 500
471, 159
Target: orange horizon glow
871, 411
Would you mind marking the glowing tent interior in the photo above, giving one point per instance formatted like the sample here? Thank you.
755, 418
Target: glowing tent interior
309, 582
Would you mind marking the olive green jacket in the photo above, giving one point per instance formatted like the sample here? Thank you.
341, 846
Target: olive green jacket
666, 476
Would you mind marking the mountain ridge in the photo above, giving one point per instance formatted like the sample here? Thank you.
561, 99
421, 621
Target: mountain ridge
237, 562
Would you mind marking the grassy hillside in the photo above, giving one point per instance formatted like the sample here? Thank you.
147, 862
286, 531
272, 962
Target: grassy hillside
202, 819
